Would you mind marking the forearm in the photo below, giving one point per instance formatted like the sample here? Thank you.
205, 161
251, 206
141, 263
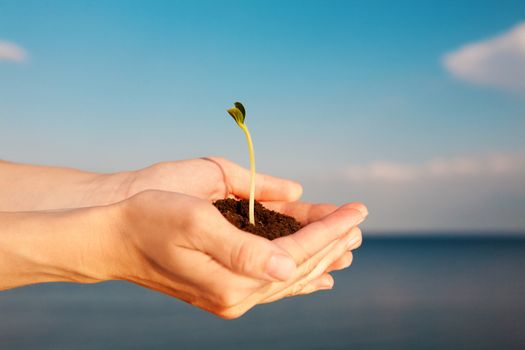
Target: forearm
31, 187
72, 245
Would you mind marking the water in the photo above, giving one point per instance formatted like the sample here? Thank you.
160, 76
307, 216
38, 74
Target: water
401, 293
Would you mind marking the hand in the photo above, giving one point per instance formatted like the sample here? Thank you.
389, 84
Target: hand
214, 178
182, 246
208, 178
29, 187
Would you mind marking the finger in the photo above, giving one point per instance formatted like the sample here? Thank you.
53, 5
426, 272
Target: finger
320, 267
323, 282
339, 250
357, 242
252, 255
267, 188
327, 256
312, 238
245, 253
279, 290
305, 213
342, 263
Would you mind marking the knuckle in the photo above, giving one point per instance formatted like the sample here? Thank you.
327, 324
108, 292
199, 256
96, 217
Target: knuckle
230, 313
298, 288
228, 298
243, 257
350, 259
309, 266
356, 233
196, 214
302, 252
346, 261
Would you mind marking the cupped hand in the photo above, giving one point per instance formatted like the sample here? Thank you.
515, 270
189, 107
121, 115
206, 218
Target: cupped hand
209, 178
182, 246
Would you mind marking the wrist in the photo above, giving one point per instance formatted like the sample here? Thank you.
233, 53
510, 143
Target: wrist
61, 246
105, 189
29, 188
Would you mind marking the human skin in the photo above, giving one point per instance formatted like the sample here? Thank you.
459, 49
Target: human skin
31, 187
175, 243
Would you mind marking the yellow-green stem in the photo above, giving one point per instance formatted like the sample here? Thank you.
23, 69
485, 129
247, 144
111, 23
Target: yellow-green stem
252, 174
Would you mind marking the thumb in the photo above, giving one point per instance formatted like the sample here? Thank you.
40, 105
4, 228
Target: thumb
250, 255
267, 188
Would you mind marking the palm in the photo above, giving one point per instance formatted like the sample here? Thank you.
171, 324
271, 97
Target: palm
206, 264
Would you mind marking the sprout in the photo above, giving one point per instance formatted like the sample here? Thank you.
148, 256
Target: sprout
238, 113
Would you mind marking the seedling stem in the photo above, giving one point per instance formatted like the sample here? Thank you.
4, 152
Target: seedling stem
238, 113
252, 174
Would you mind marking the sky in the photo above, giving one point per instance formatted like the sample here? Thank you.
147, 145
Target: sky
416, 108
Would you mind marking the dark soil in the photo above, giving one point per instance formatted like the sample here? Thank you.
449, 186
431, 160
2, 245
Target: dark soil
268, 223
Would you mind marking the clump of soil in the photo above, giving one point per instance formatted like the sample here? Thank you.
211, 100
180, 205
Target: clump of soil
268, 223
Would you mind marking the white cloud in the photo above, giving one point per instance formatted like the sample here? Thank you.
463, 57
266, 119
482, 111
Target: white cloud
498, 61
475, 192
469, 167
11, 52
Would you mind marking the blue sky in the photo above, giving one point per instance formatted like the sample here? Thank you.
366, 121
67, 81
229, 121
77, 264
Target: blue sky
357, 100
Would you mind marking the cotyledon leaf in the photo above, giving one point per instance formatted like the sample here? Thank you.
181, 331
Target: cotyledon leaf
241, 108
238, 113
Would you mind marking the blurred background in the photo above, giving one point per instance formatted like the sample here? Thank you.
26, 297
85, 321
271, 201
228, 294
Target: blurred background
416, 108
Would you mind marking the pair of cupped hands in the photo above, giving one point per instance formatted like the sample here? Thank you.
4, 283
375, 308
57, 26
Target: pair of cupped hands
173, 240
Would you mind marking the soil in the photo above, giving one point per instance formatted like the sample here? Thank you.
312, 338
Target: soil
268, 223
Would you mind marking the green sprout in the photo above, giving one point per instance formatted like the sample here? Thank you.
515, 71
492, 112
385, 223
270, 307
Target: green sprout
238, 113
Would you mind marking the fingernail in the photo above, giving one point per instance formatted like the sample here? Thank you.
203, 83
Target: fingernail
326, 285
280, 267
364, 210
352, 241
358, 219
361, 208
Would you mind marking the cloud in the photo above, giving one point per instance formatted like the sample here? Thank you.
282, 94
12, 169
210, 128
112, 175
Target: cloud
498, 61
11, 52
468, 167
475, 192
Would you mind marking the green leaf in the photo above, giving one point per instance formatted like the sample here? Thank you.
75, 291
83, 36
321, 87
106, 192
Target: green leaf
237, 113
241, 108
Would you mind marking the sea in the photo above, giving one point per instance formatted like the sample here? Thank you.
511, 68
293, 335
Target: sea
438, 291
